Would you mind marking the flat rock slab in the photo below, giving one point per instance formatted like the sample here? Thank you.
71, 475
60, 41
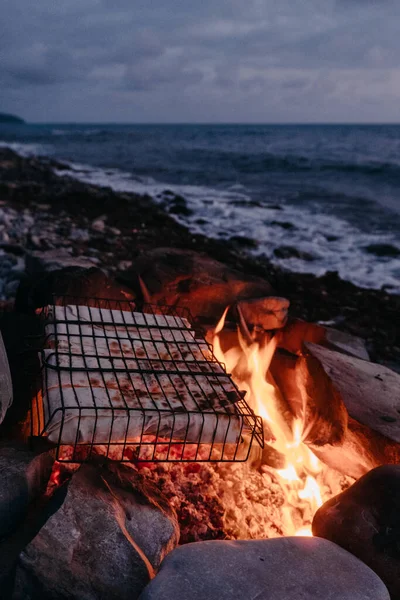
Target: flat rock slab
365, 520
275, 569
370, 392
23, 476
105, 541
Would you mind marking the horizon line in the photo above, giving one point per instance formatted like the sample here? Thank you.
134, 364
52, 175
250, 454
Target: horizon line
215, 123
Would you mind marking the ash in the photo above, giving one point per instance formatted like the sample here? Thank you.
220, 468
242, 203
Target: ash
230, 501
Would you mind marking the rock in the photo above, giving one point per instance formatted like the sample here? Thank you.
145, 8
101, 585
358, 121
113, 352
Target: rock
196, 282
383, 250
106, 540
10, 289
296, 332
365, 520
265, 313
243, 241
79, 235
360, 450
275, 569
52, 260
114, 231
80, 284
337, 439
6, 392
23, 477
177, 205
283, 224
292, 252
124, 265
99, 224
370, 392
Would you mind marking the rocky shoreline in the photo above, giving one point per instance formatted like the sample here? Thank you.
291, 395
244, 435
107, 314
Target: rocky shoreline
80, 224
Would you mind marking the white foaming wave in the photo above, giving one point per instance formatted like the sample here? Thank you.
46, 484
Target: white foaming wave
27, 149
334, 244
75, 132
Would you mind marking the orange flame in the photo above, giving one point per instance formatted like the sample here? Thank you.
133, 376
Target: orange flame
249, 364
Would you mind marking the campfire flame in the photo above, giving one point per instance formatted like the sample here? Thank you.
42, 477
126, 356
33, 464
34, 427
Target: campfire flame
249, 365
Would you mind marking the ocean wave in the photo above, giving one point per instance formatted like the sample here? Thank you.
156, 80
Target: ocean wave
324, 242
78, 132
27, 149
318, 242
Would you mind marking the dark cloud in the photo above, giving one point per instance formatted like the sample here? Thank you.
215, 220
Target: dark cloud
215, 60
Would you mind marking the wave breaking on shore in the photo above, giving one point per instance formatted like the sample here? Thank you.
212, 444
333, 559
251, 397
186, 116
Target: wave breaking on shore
300, 239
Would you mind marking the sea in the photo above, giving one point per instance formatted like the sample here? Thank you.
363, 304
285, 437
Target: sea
311, 198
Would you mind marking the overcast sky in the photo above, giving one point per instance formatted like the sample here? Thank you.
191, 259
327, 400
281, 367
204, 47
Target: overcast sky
201, 60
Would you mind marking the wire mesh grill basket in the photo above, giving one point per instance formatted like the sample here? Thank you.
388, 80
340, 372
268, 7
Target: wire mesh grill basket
142, 386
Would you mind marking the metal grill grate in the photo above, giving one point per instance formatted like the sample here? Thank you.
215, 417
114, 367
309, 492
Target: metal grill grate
141, 386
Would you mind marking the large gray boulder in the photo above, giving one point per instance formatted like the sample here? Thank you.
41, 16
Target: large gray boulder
365, 520
105, 541
275, 569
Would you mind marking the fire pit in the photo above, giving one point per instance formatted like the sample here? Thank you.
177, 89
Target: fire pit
169, 435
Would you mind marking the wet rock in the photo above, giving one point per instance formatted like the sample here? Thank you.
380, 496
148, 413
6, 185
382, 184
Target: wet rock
266, 313
106, 540
177, 205
23, 477
292, 252
383, 250
195, 281
365, 520
283, 224
274, 569
243, 241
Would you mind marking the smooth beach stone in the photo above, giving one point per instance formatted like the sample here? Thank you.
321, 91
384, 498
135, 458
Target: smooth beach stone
105, 541
292, 568
365, 520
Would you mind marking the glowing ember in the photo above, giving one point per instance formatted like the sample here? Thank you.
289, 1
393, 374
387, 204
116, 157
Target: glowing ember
302, 478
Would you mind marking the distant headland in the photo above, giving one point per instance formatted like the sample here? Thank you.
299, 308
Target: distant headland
7, 118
